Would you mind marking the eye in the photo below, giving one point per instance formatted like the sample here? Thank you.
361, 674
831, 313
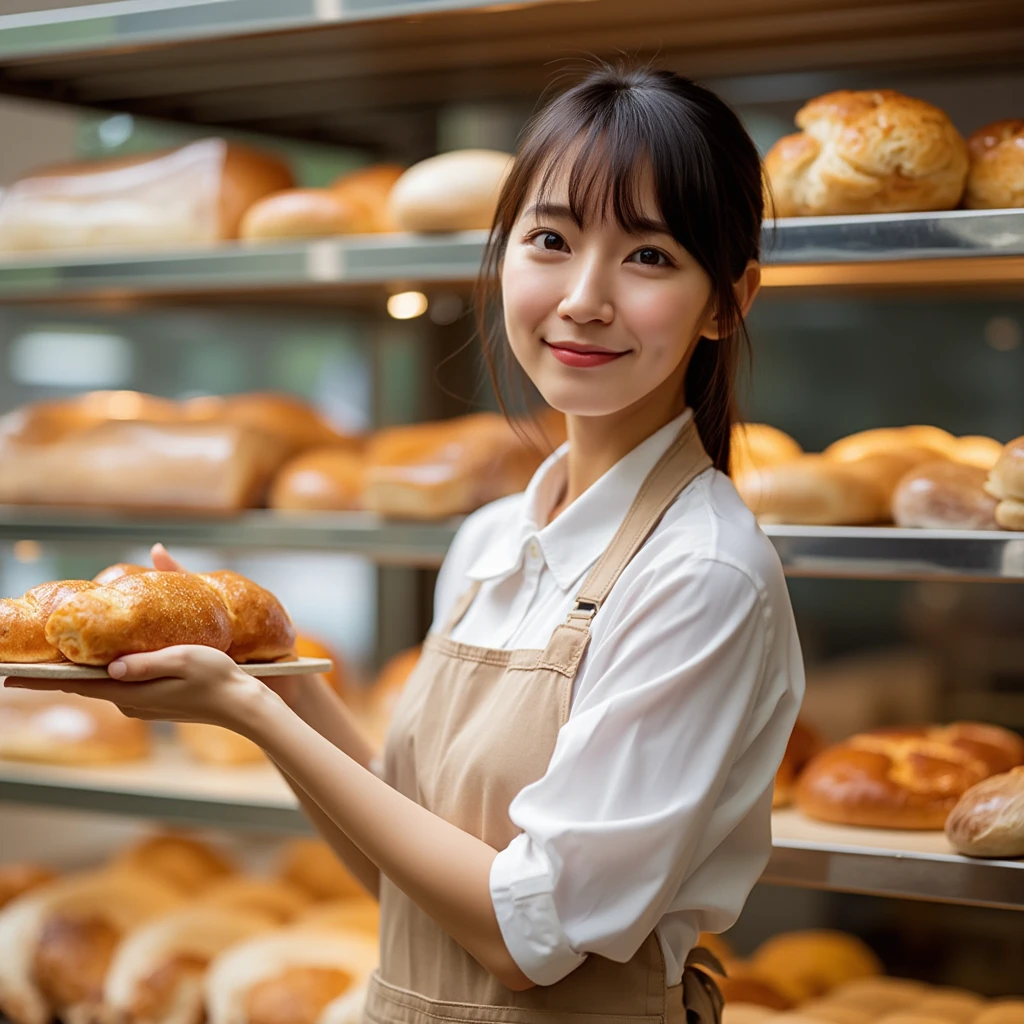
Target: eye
549, 241
651, 257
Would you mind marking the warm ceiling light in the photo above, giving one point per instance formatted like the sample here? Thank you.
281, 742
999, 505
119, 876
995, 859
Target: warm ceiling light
406, 305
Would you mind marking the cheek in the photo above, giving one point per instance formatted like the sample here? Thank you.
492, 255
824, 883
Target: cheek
664, 316
529, 294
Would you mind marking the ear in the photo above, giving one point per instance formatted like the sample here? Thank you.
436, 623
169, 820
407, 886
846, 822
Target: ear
746, 289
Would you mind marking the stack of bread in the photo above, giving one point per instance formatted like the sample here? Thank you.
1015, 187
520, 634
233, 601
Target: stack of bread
918, 476
169, 932
123, 449
879, 151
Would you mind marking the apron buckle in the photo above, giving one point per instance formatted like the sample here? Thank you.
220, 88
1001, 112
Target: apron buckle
583, 610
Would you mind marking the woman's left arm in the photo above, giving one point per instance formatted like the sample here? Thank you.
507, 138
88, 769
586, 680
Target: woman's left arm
444, 870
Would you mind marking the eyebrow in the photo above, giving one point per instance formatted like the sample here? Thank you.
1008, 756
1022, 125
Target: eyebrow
642, 225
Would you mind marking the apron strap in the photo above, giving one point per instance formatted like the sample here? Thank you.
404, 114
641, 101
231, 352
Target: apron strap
461, 607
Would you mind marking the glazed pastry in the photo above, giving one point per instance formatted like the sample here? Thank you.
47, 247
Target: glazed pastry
260, 627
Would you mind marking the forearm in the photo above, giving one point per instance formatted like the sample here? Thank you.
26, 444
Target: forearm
317, 704
444, 870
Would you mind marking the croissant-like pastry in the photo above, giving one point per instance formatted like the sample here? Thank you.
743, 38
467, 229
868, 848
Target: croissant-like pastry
260, 627
266, 896
140, 612
57, 941
289, 976
188, 864
157, 973
23, 621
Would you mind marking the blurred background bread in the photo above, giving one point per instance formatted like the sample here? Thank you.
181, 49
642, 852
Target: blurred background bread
996, 177
1006, 484
988, 820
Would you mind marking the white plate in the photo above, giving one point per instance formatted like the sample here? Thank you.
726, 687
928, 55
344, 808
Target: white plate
300, 666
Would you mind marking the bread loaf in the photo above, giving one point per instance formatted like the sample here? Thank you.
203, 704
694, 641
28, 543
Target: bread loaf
324, 479
922, 440
207, 467
988, 820
874, 151
17, 879
944, 495
1006, 484
435, 470
455, 191
116, 571
260, 627
57, 941
996, 177
906, 778
194, 194
804, 743
145, 611
63, 728
756, 445
156, 976
23, 621
188, 864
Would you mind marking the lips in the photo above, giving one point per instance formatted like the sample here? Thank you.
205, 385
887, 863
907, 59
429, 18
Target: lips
582, 356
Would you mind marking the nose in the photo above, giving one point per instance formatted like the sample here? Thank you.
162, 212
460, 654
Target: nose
587, 299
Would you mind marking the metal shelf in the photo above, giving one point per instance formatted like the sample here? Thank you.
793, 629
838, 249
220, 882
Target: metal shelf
357, 70
826, 552
914, 248
171, 787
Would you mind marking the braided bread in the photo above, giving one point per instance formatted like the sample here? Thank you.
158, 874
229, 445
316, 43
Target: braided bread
904, 777
23, 622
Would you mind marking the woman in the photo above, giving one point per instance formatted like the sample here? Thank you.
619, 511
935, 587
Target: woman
578, 777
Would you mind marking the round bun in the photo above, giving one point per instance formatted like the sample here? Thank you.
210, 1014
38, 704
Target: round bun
977, 450
455, 191
1002, 1011
303, 213
369, 189
188, 864
988, 820
804, 743
311, 865
907, 778
755, 445
996, 177
874, 151
944, 495
324, 479
806, 964
884, 440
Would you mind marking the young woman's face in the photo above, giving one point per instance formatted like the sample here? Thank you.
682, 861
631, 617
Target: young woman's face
600, 318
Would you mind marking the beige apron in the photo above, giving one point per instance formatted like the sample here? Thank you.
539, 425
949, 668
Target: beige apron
474, 726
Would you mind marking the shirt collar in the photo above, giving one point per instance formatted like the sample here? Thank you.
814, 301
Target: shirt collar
578, 536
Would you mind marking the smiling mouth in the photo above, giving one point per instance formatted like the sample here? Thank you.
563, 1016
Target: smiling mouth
583, 350
581, 357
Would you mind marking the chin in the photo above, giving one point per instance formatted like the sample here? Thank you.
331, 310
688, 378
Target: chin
572, 400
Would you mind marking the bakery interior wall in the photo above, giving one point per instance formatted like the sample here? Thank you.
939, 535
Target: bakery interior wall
826, 364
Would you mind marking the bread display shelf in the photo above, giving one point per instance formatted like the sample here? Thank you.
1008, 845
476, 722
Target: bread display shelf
971, 247
300, 666
316, 68
826, 552
911, 865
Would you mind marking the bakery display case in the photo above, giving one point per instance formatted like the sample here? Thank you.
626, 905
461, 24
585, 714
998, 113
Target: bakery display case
375, 74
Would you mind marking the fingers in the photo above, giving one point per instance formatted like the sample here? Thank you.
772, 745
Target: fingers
163, 561
139, 668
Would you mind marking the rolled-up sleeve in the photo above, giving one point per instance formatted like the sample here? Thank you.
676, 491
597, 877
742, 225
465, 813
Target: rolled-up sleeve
638, 791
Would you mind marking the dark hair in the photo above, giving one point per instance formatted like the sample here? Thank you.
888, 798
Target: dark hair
708, 181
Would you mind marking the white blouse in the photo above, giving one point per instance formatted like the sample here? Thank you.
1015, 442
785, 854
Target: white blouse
655, 810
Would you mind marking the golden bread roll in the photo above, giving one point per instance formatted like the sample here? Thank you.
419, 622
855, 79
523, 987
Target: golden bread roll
883, 440
260, 627
804, 743
871, 151
193, 194
311, 865
289, 976
435, 470
188, 864
1006, 484
213, 744
380, 699
904, 777
370, 188
23, 621
806, 964
157, 972
988, 820
303, 213
455, 191
57, 941
977, 450
145, 611
64, 728
116, 571
357, 913
324, 479
266, 896
952, 1004
755, 445
815, 491
211, 467
880, 994
17, 879
1002, 1011
944, 495
995, 180
292, 423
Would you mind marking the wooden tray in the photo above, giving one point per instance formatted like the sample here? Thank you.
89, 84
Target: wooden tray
300, 666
